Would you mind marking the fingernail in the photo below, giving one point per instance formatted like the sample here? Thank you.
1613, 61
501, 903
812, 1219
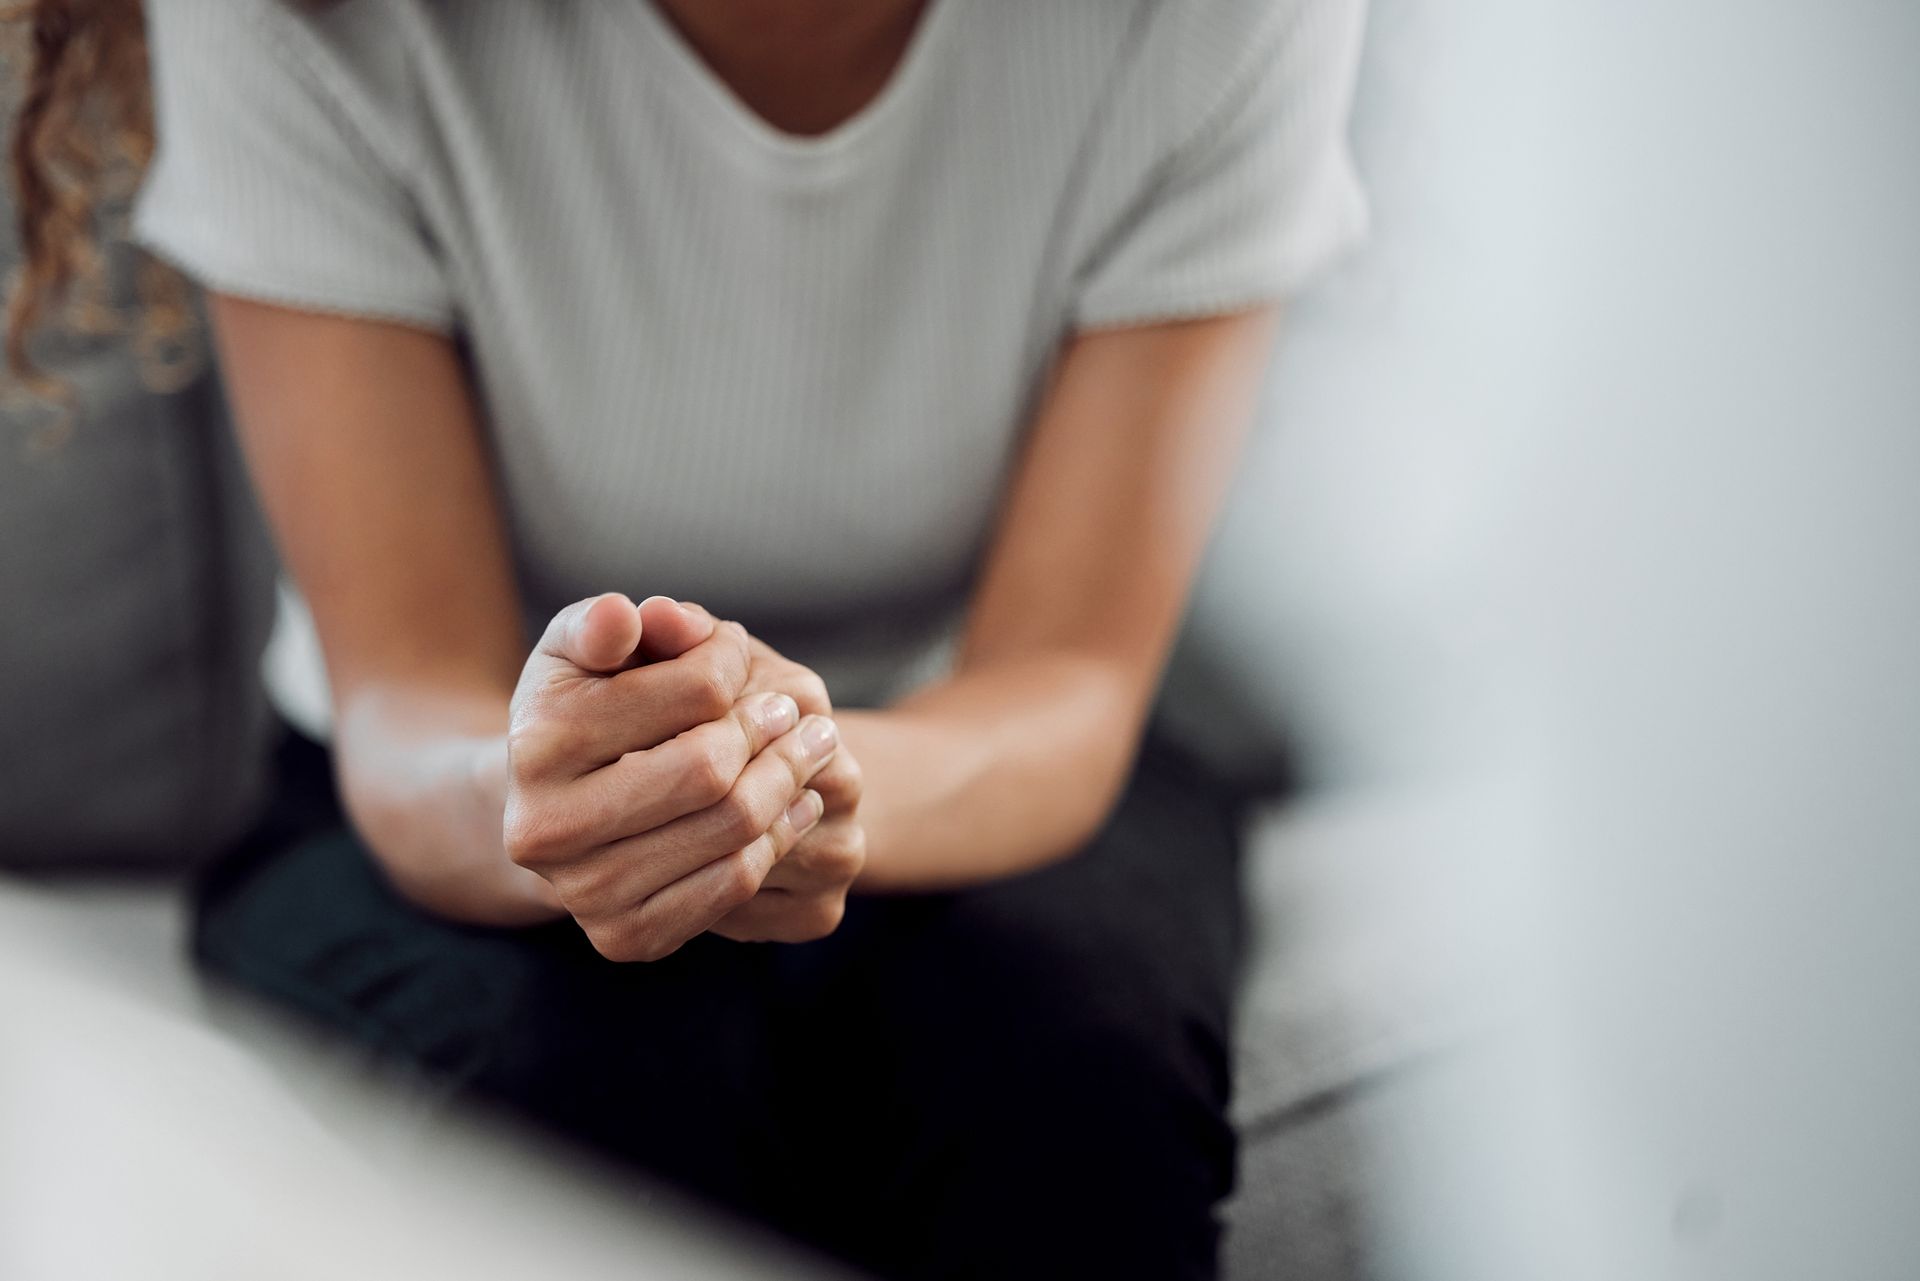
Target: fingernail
805, 811
776, 713
656, 602
818, 735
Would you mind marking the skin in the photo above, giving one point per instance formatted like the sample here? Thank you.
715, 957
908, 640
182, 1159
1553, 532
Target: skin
656, 772
802, 67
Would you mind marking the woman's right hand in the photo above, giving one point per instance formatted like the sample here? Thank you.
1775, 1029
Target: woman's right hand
653, 796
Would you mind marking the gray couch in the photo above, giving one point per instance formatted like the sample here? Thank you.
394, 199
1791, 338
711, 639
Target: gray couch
137, 583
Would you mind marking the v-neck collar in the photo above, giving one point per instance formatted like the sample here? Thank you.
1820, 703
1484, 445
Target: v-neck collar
717, 99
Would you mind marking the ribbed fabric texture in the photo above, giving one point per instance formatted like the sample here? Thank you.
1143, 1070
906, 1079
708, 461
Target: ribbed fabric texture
783, 376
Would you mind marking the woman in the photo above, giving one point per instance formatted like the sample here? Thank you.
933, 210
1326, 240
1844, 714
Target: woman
864, 323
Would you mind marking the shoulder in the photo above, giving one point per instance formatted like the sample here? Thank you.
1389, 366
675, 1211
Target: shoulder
300, 64
1221, 22
1199, 42
1182, 62
1168, 34
340, 40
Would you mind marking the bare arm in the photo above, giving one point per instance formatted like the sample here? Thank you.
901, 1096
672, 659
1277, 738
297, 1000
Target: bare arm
1016, 759
364, 445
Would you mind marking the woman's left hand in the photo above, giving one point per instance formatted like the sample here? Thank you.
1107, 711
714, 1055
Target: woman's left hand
805, 894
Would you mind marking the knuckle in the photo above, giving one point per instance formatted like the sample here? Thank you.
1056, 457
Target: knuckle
847, 857
709, 775
655, 947
739, 819
537, 836
616, 947
632, 941
834, 859
738, 882
712, 689
534, 747
576, 893
612, 942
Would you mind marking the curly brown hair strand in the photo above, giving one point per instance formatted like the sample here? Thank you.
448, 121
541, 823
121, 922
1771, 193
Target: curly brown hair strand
81, 139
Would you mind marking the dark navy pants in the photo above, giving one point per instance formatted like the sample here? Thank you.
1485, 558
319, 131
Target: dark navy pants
1028, 1079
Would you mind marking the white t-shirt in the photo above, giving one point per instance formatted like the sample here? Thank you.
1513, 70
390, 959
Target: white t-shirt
783, 376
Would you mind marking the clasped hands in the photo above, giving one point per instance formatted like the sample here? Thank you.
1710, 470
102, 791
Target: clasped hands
669, 775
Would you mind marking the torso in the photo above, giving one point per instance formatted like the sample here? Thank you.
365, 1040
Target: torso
726, 356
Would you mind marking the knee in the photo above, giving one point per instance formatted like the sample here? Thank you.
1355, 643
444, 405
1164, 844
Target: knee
1093, 1137
1091, 1000
1133, 1089
1092, 1063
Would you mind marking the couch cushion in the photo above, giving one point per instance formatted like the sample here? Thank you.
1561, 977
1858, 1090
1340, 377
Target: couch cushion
1356, 965
137, 582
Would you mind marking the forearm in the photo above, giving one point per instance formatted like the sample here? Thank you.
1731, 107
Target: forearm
1018, 758
424, 777
993, 772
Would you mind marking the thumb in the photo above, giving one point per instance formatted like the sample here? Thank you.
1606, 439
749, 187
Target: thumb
672, 627
598, 634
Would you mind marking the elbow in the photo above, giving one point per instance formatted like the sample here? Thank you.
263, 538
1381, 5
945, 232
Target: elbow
1092, 781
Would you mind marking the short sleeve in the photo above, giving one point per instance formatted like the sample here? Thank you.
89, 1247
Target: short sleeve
1255, 192
265, 182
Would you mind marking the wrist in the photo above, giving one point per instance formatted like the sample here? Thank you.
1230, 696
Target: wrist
479, 884
430, 809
